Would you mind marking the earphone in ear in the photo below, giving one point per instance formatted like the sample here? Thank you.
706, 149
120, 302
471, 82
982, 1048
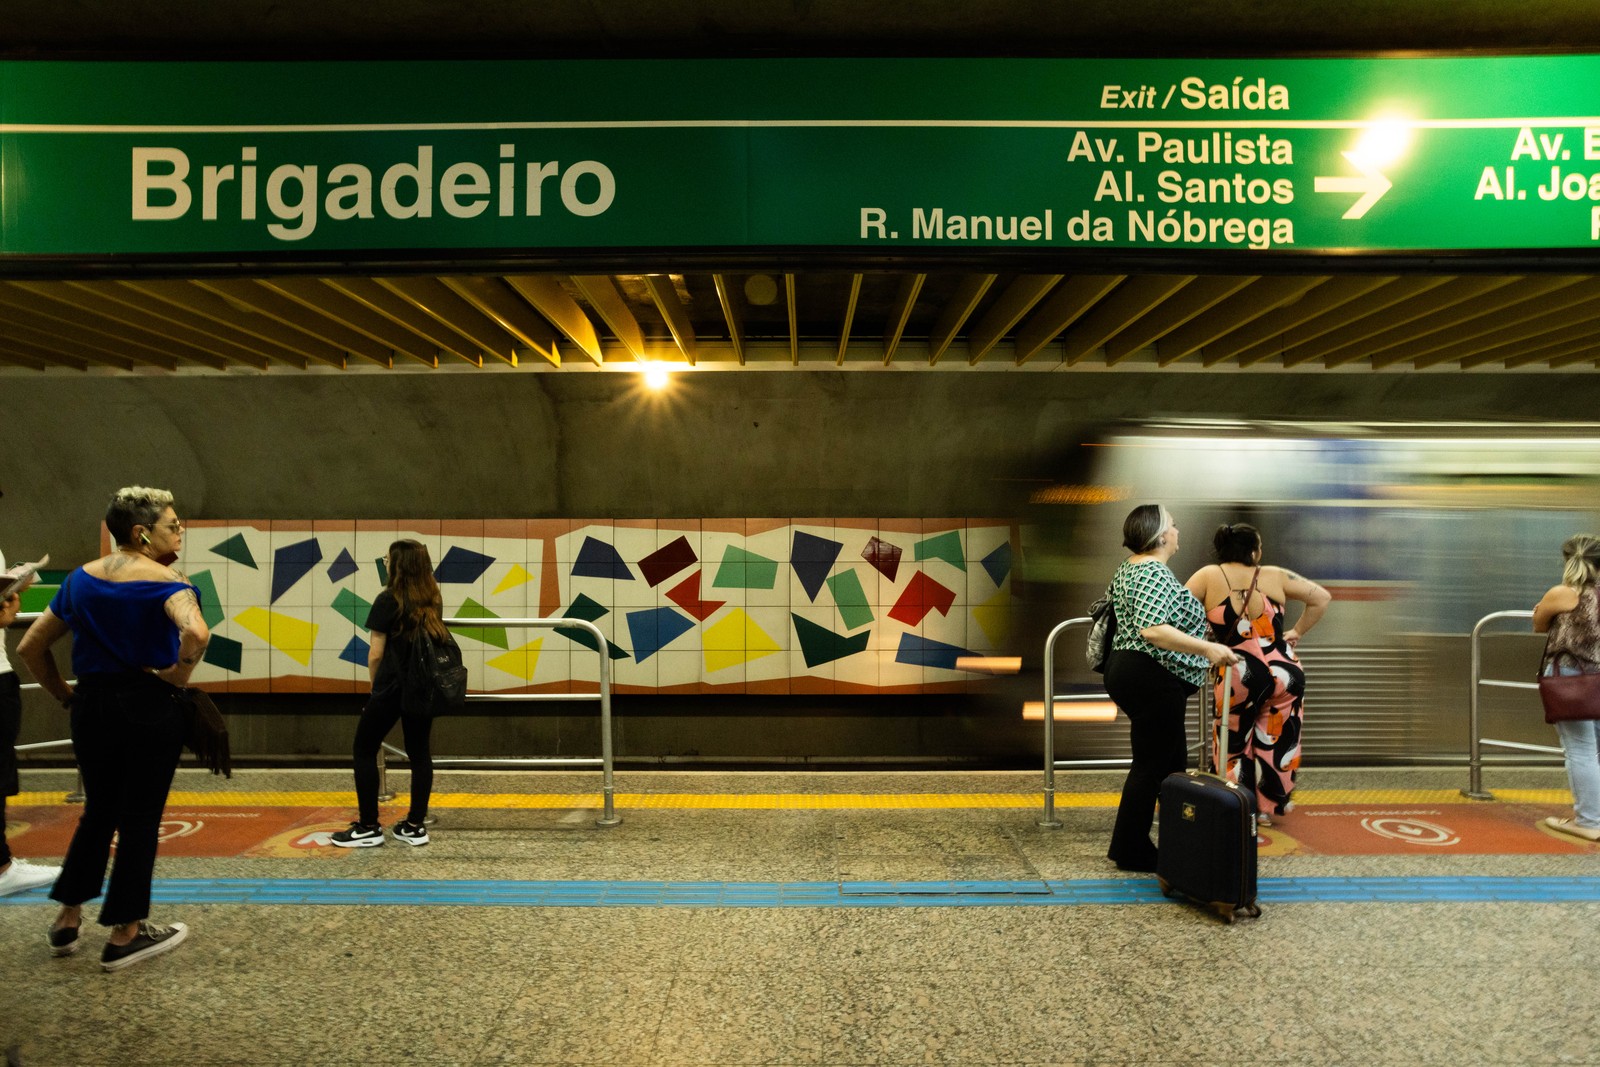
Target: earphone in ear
144, 538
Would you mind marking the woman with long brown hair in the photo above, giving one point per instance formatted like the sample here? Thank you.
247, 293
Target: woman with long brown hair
409, 605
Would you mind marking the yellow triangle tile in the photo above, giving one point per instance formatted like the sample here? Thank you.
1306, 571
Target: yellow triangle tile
521, 662
514, 577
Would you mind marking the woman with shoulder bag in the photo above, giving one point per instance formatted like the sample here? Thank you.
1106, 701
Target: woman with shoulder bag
1570, 614
409, 606
1159, 657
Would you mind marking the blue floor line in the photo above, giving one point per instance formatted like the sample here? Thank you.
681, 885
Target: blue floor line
645, 894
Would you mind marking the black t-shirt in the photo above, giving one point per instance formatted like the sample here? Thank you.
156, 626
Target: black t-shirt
384, 618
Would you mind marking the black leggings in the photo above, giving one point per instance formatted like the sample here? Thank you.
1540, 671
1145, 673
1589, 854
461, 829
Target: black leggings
377, 719
1155, 701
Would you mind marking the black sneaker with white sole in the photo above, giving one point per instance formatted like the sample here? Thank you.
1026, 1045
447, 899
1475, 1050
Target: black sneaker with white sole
412, 833
64, 941
359, 836
152, 940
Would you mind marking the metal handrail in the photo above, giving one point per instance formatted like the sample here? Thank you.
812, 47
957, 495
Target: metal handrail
605, 761
1475, 743
76, 796
1050, 698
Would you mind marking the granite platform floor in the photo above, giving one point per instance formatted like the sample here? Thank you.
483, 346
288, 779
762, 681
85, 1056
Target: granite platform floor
741, 976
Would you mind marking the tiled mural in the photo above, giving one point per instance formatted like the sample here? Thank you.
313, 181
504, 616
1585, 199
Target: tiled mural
765, 606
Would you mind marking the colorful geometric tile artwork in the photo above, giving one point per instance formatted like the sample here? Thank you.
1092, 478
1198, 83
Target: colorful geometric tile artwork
293, 637
812, 557
946, 546
589, 610
736, 639
993, 617
745, 570
226, 653
686, 594
921, 596
519, 662
820, 645
237, 549
926, 653
904, 625
343, 566
667, 560
489, 635
356, 652
884, 556
210, 603
516, 576
998, 563
597, 559
850, 599
654, 629
461, 566
292, 563
353, 607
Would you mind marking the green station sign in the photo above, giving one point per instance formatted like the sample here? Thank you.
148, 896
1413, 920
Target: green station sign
884, 156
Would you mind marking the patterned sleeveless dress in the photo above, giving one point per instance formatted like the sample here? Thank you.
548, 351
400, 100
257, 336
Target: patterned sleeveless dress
1267, 711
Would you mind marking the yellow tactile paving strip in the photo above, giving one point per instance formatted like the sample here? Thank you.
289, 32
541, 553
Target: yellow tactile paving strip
797, 801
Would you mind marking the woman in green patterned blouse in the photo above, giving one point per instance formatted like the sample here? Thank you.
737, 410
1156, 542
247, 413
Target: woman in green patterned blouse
1159, 656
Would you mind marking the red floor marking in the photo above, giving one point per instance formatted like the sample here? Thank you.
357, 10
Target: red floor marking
1326, 830
218, 832
1395, 830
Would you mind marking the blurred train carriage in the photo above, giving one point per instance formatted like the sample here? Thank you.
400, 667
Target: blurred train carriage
1418, 530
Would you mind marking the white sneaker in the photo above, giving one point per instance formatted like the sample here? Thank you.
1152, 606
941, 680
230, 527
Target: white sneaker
22, 876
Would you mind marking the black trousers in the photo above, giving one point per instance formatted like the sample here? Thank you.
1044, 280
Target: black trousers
1155, 700
127, 733
10, 728
377, 719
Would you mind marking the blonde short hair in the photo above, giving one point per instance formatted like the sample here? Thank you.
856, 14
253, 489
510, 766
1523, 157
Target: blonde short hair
135, 505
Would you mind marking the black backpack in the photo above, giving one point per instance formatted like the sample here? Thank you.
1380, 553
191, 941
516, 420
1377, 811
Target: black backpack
435, 682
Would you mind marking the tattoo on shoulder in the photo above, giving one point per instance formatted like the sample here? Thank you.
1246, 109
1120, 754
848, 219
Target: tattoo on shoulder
116, 562
1291, 575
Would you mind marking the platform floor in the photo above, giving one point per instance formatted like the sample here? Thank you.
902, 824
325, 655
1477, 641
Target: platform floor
814, 918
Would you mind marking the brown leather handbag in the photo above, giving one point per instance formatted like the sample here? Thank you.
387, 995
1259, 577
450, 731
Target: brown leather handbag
1569, 697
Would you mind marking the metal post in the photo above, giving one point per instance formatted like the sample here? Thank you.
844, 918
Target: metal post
1475, 788
1050, 821
384, 794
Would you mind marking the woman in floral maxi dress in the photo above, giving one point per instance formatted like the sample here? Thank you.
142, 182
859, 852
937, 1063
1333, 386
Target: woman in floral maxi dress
1244, 604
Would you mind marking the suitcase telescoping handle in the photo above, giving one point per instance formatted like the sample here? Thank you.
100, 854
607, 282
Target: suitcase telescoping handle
1217, 726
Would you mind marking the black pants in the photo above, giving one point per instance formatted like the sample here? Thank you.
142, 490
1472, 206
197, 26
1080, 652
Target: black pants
127, 733
1154, 699
10, 728
377, 719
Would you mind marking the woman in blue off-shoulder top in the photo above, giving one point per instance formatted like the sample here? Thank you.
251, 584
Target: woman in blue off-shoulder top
137, 634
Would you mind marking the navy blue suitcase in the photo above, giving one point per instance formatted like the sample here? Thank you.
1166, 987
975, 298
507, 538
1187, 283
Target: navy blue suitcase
1207, 846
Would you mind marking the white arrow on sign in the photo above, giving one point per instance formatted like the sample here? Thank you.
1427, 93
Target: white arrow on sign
1371, 185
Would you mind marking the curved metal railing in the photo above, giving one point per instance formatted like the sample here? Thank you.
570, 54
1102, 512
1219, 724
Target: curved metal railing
1475, 742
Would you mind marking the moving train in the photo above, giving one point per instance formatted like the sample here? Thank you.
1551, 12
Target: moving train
1419, 531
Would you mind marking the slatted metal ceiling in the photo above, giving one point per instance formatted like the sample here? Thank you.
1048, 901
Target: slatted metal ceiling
810, 320
813, 318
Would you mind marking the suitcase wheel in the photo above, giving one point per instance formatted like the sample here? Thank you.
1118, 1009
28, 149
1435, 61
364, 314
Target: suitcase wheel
1224, 912
1166, 887
1252, 911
